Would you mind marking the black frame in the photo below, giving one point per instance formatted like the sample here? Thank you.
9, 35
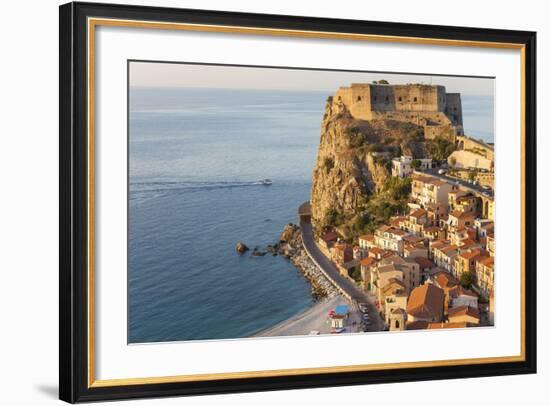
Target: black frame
73, 289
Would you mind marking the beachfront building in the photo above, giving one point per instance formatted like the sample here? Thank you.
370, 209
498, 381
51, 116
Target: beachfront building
465, 262
367, 265
491, 209
414, 249
434, 233
404, 165
464, 314
459, 219
425, 267
338, 317
389, 238
366, 241
490, 244
483, 227
409, 268
485, 275
393, 296
459, 296
398, 320
429, 190
426, 303
444, 254
415, 222
401, 166
327, 240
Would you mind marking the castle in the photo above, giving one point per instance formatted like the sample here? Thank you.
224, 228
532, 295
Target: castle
428, 106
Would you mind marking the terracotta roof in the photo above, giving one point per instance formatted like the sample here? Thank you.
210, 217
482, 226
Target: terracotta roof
413, 238
368, 261
394, 286
432, 326
461, 214
376, 250
418, 213
445, 280
470, 254
467, 242
423, 262
458, 290
417, 325
438, 244
329, 236
396, 231
463, 311
367, 237
431, 229
426, 301
487, 261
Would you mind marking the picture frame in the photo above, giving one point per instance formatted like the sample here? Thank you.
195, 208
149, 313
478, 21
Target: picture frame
77, 284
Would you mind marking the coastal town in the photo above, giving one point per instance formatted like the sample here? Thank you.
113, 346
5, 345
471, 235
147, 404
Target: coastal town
430, 263
432, 267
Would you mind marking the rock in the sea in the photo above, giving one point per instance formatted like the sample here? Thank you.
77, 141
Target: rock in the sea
257, 253
241, 248
289, 233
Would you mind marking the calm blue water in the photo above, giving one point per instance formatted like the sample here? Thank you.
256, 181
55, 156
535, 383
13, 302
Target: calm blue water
195, 160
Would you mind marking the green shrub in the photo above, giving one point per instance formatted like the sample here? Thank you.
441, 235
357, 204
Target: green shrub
328, 163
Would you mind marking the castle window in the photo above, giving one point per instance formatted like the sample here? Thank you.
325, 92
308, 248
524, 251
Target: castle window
387, 100
358, 98
400, 99
415, 99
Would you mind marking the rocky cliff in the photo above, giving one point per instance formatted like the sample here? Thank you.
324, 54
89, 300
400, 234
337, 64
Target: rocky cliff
354, 162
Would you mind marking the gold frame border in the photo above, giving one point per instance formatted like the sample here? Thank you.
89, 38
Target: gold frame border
94, 22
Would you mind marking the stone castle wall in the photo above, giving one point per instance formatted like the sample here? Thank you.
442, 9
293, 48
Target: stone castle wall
425, 105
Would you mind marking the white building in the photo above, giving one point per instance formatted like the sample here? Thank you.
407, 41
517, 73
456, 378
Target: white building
403, 166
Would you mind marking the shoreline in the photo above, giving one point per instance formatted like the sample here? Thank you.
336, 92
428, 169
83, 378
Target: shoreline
325, 295
301, 324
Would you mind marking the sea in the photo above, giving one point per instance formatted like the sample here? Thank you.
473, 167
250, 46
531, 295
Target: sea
196, 161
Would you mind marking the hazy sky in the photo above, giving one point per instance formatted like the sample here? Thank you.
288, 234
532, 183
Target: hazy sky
153, 74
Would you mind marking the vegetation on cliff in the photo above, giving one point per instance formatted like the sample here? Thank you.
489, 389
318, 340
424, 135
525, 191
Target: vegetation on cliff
352, 188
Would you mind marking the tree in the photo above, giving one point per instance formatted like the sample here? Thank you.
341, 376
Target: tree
466, 279
415, 164
452, 161
383, 82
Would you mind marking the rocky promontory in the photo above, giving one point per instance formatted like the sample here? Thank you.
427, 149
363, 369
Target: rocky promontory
354, 164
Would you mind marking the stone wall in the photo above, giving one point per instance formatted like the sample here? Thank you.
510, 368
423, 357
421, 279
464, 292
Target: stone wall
424, 105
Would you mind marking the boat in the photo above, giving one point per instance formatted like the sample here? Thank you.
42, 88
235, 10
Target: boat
266, 182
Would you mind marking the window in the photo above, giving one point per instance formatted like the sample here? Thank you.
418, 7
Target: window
396, 323
358, 98
415, 99
400, 99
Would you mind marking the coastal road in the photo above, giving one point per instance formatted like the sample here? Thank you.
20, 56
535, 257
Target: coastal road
347, 287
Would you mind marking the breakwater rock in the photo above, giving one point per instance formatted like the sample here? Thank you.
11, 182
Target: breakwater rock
290, 245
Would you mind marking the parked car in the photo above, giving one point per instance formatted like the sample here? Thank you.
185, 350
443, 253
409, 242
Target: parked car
338, 330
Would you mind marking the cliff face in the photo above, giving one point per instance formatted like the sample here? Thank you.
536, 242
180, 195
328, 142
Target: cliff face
354, 161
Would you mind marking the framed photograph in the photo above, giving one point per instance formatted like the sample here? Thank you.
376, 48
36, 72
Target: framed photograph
258, 202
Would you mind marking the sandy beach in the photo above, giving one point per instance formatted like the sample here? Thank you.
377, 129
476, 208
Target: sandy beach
314, 318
